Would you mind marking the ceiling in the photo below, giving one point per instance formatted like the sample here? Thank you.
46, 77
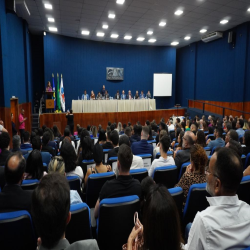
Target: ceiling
136, 17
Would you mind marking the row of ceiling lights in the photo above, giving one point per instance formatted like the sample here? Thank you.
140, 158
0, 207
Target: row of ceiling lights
128, 37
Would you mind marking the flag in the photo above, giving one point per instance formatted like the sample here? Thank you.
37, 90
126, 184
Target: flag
54, 90
58, 94
62, 97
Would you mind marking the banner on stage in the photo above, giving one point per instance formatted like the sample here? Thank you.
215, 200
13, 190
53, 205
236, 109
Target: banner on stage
114, 73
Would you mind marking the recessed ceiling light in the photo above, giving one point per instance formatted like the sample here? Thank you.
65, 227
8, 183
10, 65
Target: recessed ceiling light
48, 6
50, 19
152, 40
85, 32
150, 32
187, 37
105, 26
203, 31
248, 9
53, 29
111, 16
127, 37
101, 34
224, 21
178, 12
163, 23
174, 43
120, 1
114, 36
140, 39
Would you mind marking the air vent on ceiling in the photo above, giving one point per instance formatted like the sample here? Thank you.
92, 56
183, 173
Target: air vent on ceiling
211, 36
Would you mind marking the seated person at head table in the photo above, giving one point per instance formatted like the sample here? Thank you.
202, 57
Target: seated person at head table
136, 95
142, 96
129, 96
103, 90
99, 96
148, 95
123, 96
106, 96
92, 95
117, 95
85, 96
49, 88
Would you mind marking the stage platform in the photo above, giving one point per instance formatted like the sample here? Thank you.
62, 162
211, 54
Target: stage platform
85, 119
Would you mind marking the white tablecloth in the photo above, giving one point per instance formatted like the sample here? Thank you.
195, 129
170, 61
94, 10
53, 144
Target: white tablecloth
95, 106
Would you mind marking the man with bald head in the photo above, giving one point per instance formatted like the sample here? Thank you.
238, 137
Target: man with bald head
13, 197
183, 156
225, 224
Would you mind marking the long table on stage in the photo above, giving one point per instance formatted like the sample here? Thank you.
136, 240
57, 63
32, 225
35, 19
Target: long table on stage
97, 106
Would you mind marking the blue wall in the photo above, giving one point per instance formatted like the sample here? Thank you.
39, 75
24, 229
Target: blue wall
15, 63
83, 65
215, 71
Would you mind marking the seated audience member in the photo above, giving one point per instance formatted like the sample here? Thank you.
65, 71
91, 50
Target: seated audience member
16, 142
56, 132
142, 146
45, 146
228, 127
160, 228
128, 132
114, 138
235, 146
67, 133
231, 135
50, 214
182, 156
246, 125
201, 139
99, 168
102, 137
123, 129
154, 129
57, 165
239, 126
108, 144
136, 136
2, 128
70, 159
52, 142
205, 127
157, 148
124, 184
4, 147
26, 140
170, 125
119, 129
195, 172
246, 142
162, 126
89, 130
94, 131
218, 142
193, 128
228, 227
146, 184
180, 142
86, 153
34, 166
137, 161
150, 138
177, 130
164, 160
13, 197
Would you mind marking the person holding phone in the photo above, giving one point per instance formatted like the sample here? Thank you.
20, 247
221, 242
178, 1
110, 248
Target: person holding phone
22, 120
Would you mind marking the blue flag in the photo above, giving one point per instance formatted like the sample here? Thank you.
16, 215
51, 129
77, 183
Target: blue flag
54, 89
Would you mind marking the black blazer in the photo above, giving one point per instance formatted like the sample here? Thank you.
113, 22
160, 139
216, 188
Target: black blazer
13, 197
116, 97
113, 152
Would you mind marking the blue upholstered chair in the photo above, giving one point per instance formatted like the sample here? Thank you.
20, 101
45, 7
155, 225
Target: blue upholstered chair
244, 189
178, 196
29, 184
166, 175
139, 173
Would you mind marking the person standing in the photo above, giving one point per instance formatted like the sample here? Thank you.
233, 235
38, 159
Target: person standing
70, 121
22, 124
103, 90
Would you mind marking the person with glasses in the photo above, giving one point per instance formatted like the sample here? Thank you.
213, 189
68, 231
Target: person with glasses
225, 223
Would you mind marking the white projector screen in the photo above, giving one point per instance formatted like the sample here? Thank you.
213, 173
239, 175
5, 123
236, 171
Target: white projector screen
162, 85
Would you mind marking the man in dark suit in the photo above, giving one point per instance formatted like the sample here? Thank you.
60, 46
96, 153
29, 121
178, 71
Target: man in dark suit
117, 95
108, 144
13, 197
142, 146
183, 156
45, 146
114, 137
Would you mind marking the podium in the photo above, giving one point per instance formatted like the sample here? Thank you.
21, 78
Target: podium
49, 100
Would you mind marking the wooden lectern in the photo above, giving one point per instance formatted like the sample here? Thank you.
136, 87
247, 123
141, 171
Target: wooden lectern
49, 101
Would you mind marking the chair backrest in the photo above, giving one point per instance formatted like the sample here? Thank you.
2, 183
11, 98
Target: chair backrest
105, 156
196, 201
113, 163
79, 227
74, 183
176, 144
208, 150
29, 184
166, 175
94, 186
147, 160
46, 157
16, 231
183, 169
116, 216
244, 189
139, 173
247, 161
243, 160
153, 143
178, 196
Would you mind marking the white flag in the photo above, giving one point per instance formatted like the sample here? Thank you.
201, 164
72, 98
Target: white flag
62, 96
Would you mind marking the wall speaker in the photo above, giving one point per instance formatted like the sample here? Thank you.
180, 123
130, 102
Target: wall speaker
231, 37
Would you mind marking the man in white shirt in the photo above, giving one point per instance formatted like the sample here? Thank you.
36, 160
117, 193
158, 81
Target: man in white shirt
226, 223
170, 125
164, 160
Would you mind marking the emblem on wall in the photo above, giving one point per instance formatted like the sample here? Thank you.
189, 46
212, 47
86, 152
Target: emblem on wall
114, 73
